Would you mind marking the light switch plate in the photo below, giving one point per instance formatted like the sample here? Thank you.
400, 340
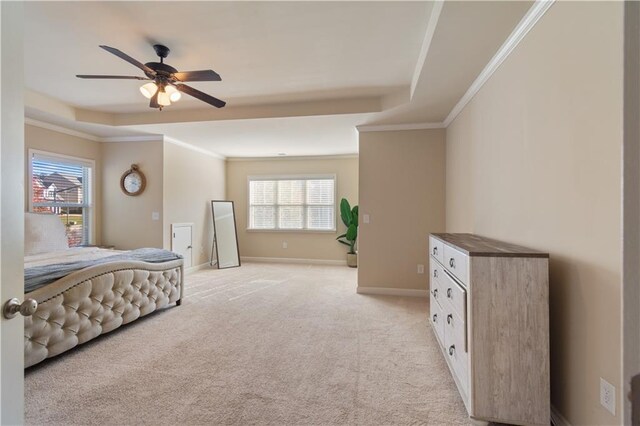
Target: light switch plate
365, 218
285, 245
421, 269
608, 396
155, 216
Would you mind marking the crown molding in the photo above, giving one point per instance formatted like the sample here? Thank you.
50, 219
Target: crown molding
140, 138
113, 139
60, 129
517, 35
294, 158
399, 127
186, 145
426, 43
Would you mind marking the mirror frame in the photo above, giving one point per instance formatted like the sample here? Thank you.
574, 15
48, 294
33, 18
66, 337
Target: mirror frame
215, 233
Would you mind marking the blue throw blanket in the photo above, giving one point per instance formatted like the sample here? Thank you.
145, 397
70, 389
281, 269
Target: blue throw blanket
39, 276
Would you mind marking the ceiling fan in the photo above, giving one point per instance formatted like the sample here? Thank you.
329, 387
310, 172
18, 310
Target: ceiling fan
166, 81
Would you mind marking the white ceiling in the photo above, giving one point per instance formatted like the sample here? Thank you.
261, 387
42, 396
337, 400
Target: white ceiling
297, 136
269, 54
261, 49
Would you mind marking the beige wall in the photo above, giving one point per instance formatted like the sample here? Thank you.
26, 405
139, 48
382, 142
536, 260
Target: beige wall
535, 159
60, 143
191, 181
126, 220
402, 188
301, 245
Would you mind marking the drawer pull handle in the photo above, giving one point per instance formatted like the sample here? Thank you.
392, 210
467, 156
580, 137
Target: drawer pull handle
435, 293
449, 293
449, 318
435, 317
452, 262
435, 251
435, 273
452, 349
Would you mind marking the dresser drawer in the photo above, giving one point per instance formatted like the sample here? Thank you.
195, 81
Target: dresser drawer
436, 249
455, 326
457, 263
453, 294
457, 358
436, 272
437, 319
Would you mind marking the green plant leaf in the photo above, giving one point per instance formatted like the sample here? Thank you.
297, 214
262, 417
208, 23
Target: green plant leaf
352, 232
341, 236
345, 212
354, 214
344, 242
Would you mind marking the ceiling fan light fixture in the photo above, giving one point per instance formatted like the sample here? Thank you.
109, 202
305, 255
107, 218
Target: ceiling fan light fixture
163, 98
174, 94
148, 90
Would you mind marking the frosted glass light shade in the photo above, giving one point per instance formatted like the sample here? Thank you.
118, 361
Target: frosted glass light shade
163, 99
148, 90
174, 95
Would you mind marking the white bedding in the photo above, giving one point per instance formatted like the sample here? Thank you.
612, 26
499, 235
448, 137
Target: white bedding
74, 254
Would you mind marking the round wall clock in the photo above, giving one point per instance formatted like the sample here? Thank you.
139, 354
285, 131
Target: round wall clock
133, 181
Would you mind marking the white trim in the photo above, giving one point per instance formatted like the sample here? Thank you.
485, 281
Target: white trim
309, 176
138, 138
326, 262
60, 129
426, 43
383, 291
558, 419
399, 127
109, 139
193, 147
183, 225
196, 268
88, 162
304, 177
294, 158
517, 35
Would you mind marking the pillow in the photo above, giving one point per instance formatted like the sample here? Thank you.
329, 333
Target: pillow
42, 233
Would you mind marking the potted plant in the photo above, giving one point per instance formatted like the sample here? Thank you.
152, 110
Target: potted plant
350, 219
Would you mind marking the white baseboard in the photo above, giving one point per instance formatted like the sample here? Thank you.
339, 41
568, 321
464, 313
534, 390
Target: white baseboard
196, 268
393, 291
293, 260
558, 419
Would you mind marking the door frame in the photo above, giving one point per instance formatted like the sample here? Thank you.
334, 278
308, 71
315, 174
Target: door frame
183, 225
12, 209
630, 206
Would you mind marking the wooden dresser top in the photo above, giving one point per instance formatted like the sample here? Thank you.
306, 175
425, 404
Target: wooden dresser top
475, 245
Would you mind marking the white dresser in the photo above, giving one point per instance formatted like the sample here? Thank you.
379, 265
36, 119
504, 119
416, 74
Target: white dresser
489, 308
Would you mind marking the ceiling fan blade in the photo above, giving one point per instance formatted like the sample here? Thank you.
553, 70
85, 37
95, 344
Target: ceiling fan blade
153, 103
200, 75
200, 95
114, 77
129, 59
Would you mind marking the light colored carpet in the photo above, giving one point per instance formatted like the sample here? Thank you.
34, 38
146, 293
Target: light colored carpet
260, 344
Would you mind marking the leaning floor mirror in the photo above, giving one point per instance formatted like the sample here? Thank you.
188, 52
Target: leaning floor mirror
225, 236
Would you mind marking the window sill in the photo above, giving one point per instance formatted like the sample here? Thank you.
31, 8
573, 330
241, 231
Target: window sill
293, 231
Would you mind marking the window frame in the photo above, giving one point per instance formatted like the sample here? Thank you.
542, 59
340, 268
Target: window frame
85, 162
294, 177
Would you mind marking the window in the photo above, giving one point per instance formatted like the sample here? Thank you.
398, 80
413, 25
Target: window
292, 203
62, 185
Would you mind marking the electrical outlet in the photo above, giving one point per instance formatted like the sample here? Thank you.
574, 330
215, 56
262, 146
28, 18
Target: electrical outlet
285, 245
421, 269
608, 396
155, 216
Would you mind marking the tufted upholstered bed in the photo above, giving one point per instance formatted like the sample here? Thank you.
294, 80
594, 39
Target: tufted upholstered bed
95, 299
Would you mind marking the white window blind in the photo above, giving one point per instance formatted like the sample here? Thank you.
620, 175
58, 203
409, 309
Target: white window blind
292, 203
62, 186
